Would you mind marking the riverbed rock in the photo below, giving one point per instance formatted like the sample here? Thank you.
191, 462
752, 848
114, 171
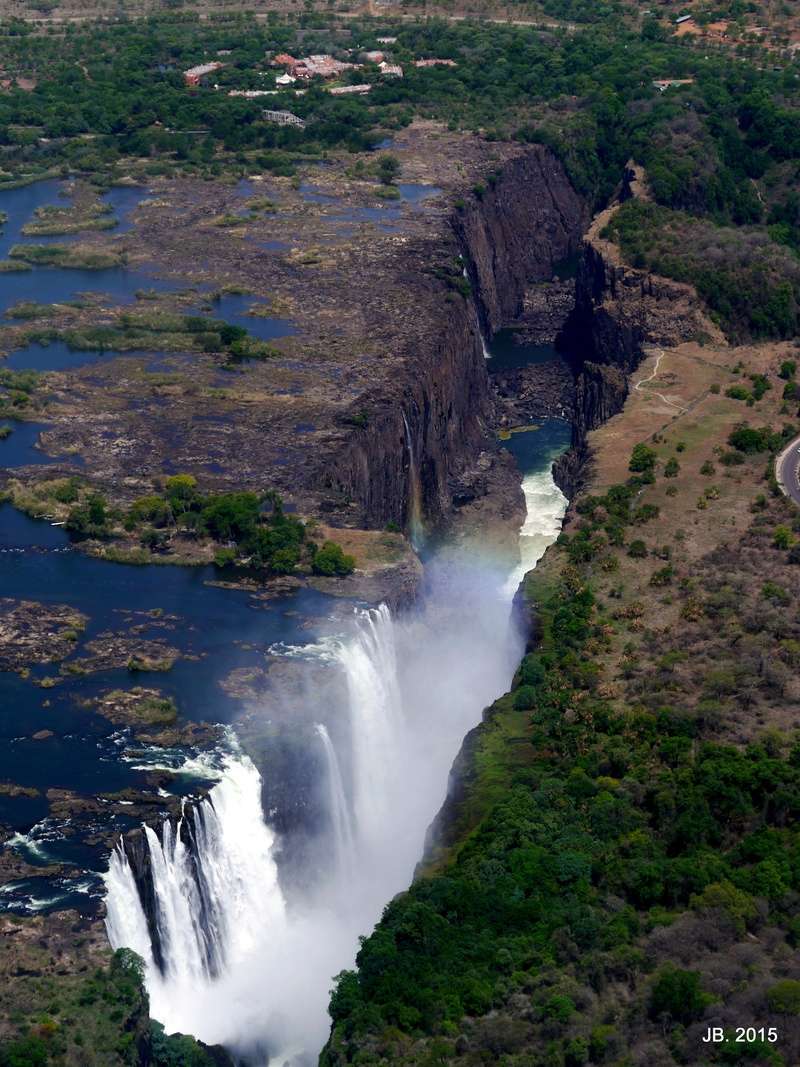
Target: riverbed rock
110, 651
139, 706
31, 632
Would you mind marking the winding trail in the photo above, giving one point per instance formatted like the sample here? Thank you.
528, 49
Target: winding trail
643, 381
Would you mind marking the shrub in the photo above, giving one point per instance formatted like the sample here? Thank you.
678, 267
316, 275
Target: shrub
782, 537
330, 560
784, 997
737, 392
750, 441
525, 698
643, 459
678, 994
672, 468
663, 576
788, 369
637, 549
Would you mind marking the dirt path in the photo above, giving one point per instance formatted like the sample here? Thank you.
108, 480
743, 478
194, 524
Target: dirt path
643, 381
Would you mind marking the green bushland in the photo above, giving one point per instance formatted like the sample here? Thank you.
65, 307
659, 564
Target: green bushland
13, 266
162, 330
51, 220
100, 1017
751, 283
252, 530
586, 825
17, 392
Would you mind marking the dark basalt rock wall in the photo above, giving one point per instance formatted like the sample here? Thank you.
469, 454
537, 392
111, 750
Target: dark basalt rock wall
528, 218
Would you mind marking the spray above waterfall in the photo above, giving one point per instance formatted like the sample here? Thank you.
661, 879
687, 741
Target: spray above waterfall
234, 957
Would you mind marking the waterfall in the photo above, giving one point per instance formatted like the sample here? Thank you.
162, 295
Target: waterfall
341, 819
484, 346
213, 879
230, 960
415, 526
369, 661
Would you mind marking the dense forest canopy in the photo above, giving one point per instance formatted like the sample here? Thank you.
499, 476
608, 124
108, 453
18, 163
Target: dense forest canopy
107, 93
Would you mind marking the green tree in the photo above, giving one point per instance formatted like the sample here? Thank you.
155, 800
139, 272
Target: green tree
330, 560
784, 997
388, 168
643, 459
680, 995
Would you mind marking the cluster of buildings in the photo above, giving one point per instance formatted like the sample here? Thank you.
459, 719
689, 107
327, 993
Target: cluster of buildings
319, 66
315, 66
662, 84
325, 66
194, 75
9, 82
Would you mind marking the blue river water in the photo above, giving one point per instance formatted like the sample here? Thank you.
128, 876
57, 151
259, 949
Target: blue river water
215, 629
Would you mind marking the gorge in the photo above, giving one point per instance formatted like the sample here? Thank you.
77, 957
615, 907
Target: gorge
414, 685
221, 904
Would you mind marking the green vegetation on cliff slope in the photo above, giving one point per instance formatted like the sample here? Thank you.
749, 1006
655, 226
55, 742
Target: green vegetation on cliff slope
621, 868
750, 282
97, 1017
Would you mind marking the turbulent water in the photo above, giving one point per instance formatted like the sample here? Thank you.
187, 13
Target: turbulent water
243, 965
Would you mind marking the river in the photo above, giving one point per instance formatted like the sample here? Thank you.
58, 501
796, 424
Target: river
256, 907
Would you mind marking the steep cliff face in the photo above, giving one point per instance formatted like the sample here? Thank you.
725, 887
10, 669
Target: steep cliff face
618, 310
423, 436
424, 431
528, 218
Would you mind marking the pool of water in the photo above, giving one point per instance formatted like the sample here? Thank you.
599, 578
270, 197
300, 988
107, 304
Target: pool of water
124, 199
49, 285
234, 308
216, 630
506, 354
415, 193
55, 355
536, 447
19, 449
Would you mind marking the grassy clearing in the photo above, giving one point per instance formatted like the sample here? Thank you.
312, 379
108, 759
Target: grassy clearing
8, 266
53, 220
76, 257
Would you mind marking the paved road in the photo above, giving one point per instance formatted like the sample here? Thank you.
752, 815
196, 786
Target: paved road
787, 469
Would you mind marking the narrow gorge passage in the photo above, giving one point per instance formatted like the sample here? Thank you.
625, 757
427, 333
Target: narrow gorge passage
232, 956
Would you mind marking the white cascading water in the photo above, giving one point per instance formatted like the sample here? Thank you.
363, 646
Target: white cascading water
414, 687
545, 505
369, 661
339, 809
205, 913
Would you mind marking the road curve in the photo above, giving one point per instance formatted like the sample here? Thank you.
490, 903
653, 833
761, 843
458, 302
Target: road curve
787, 470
